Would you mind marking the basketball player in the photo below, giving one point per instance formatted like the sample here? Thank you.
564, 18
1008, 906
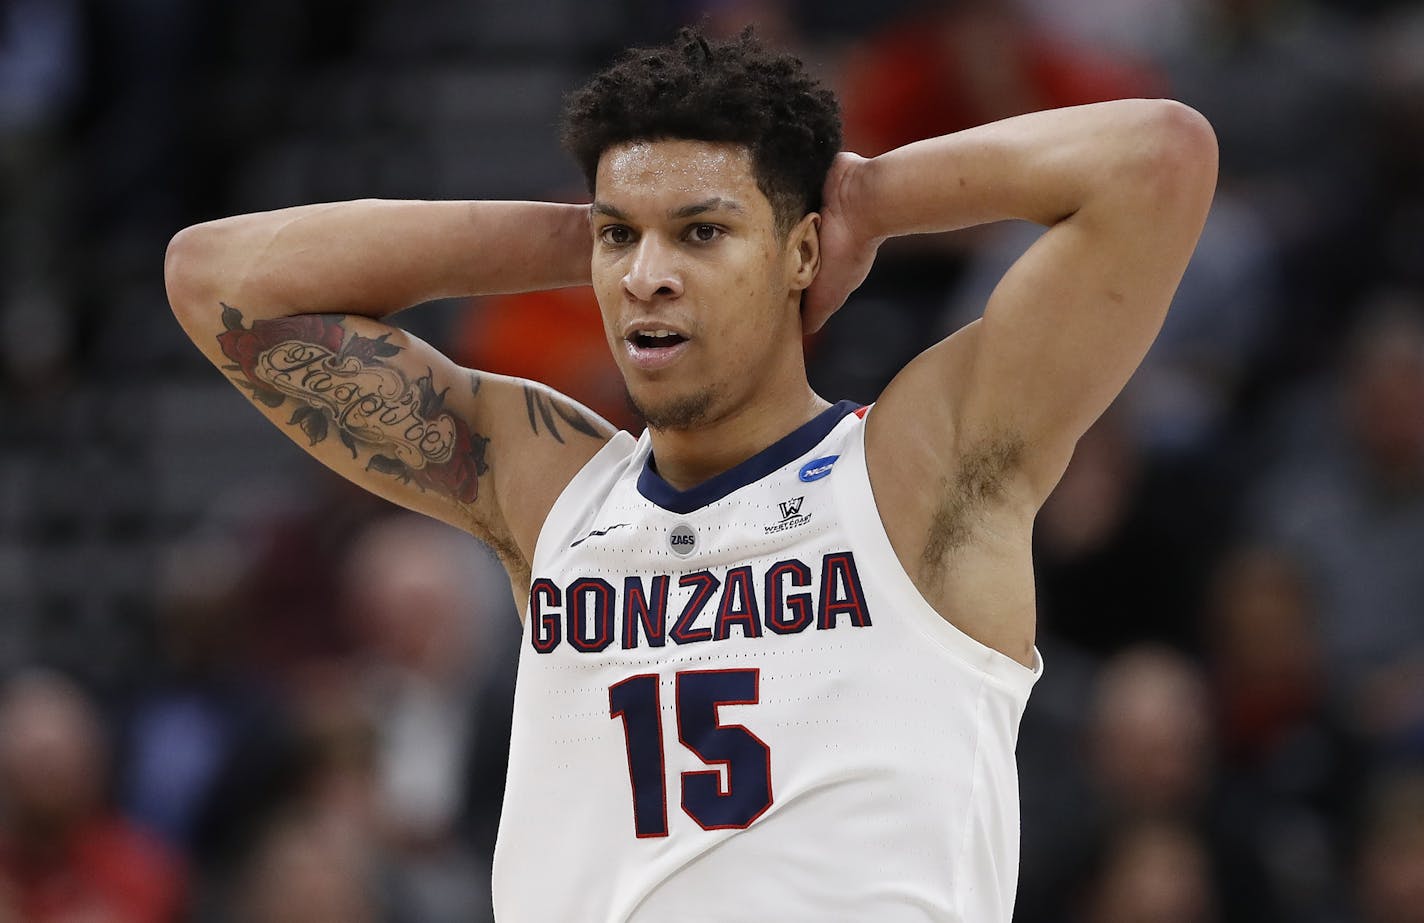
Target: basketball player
775, 649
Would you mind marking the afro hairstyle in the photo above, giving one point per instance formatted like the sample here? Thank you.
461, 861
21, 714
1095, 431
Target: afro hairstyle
733, 92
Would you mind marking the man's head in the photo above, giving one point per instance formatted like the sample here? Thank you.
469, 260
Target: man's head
736, 92
706, 161
52, 760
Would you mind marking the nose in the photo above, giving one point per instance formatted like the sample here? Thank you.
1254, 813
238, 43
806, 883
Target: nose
653, 272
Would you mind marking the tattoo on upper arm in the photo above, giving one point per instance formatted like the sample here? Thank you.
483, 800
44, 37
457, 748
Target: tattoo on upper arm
338, 380
543, 408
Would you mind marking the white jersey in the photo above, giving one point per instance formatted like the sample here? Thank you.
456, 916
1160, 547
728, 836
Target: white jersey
734, 705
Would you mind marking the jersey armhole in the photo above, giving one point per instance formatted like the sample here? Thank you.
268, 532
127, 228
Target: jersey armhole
872, 545
573, 505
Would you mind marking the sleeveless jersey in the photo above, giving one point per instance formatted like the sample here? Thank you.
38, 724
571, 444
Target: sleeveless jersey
732, 704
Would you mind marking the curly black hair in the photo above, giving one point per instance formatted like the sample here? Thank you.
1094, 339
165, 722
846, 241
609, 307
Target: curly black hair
737, 91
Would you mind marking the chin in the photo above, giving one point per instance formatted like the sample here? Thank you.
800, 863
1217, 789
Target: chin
682, 411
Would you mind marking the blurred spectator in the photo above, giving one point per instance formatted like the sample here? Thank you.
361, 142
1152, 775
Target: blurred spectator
774, 20
64, 856
437, 672
315, 853
1282, 85
1151, 742
204, 737
41, 77
1152, 756
1117, 532
135, 176
1390, 869
1267, 667
1396, 72
1153, 871
1278, 81
951, 66
39, 70
303, 874
1135, 788
1282, 744
1346, 493
408, 595
1150, 29
292, 603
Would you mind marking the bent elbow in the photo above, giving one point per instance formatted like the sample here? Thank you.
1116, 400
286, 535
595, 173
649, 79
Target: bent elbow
189, 270
1180, 151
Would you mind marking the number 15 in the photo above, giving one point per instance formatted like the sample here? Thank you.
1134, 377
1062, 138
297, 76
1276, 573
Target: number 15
698, 694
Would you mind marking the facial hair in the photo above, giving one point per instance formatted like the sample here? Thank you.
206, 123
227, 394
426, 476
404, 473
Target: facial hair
686, 412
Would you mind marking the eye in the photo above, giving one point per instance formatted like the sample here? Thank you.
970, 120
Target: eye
704, 233
615, 235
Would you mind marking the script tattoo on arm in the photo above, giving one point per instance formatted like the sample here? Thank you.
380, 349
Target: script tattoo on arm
333, 379
544, 409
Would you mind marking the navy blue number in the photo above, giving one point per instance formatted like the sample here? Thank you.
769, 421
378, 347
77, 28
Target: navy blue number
635, 700
746, 759
714, 801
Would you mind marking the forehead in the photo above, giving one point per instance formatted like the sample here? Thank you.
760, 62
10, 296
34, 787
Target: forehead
671, 172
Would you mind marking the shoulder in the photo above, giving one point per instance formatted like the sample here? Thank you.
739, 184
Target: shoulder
538, 442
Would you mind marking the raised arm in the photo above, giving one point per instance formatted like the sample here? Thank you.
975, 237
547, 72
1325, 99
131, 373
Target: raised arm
1123, 188
289, 305
970, 438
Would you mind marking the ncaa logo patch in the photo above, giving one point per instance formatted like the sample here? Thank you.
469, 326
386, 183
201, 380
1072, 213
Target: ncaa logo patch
817, 468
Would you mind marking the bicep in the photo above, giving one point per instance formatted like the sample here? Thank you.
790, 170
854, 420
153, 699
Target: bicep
1068, 325
395, 416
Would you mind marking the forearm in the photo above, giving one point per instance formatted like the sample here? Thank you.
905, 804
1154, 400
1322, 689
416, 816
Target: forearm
375, 257
1042, 167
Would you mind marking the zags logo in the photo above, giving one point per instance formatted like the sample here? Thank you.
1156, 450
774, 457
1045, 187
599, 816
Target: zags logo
682, 540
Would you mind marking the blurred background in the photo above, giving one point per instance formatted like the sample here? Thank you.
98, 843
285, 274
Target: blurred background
233, 688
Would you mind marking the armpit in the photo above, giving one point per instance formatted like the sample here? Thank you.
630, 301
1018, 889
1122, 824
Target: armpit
977, 485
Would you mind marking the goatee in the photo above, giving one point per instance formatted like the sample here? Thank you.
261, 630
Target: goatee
683, 412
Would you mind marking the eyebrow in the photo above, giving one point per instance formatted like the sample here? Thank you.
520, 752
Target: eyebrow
686, 211
697, 208
603, 208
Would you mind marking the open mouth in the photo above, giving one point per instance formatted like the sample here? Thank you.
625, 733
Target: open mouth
656, 339
653, 348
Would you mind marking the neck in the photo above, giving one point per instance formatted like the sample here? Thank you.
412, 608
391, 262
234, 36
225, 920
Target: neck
687, 457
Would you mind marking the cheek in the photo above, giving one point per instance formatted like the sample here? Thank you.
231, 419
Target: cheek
756, 275
607, 290
606, 276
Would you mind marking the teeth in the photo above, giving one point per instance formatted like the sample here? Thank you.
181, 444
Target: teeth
659, 334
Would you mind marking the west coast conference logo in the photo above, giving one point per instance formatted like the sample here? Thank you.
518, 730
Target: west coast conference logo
791, 516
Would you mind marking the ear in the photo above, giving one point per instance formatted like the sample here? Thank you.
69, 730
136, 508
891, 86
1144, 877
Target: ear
803, 252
